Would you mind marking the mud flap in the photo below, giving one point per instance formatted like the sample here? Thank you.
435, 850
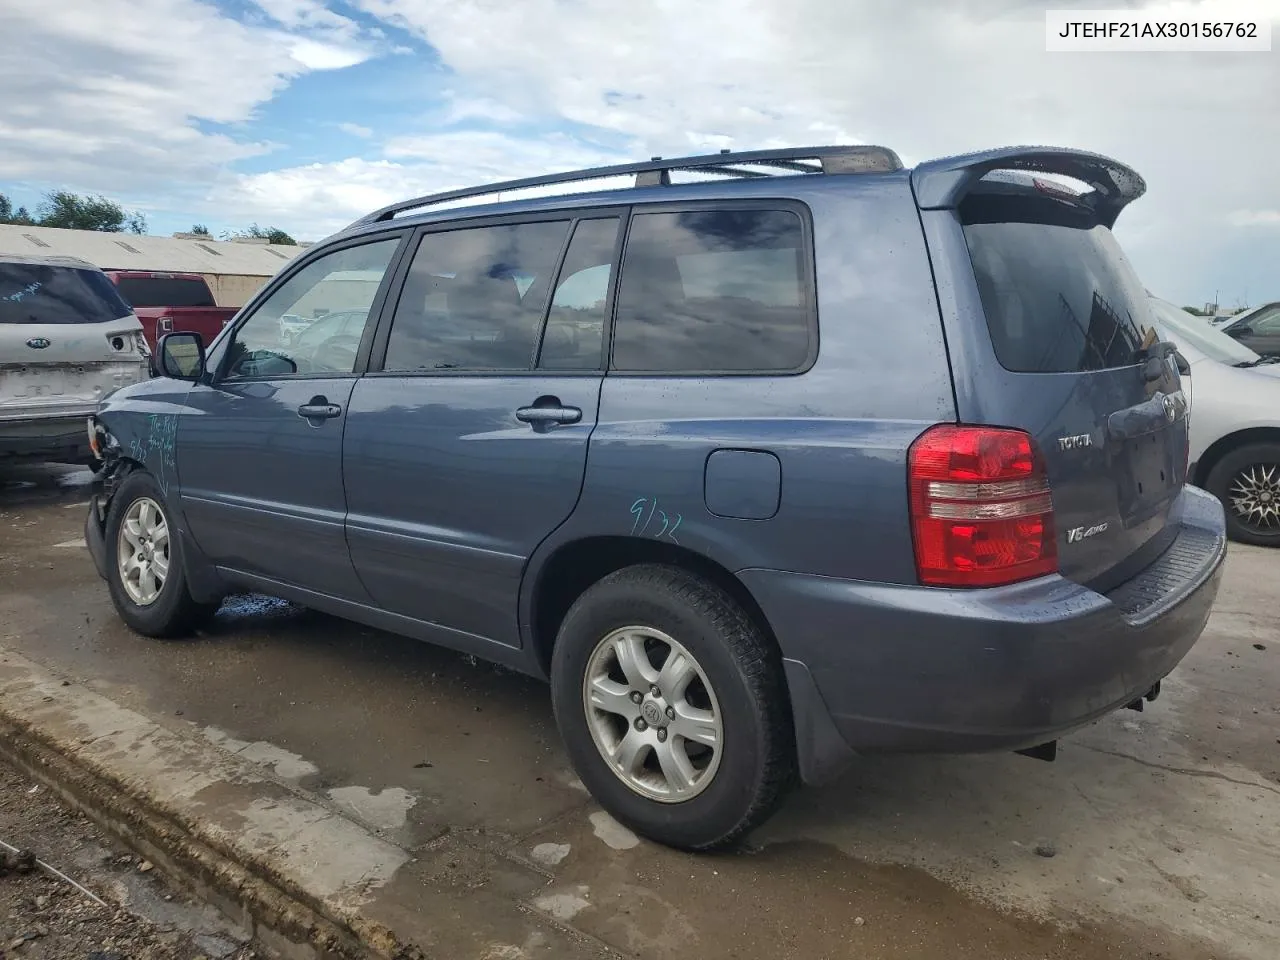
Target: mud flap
821, 752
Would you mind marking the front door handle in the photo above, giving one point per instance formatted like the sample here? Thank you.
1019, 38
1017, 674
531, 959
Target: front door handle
318, 408
542, 416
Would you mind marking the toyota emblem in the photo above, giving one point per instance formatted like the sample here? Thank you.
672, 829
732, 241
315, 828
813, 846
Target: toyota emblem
38, 343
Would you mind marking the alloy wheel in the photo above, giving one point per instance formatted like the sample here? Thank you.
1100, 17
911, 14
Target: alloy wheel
653, 714
1254, 496
143, 551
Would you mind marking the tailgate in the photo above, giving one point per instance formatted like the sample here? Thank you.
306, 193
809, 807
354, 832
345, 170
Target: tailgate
1048, 329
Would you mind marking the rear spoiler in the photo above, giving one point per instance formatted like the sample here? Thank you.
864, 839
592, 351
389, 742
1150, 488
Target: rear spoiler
942, 184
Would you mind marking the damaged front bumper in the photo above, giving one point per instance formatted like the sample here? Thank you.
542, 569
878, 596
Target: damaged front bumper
106, 450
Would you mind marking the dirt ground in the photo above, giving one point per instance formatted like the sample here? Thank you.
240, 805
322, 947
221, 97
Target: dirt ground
43, 917
1155, 835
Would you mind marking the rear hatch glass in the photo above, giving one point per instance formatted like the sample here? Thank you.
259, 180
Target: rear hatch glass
40, 293
165, 292
1068, 316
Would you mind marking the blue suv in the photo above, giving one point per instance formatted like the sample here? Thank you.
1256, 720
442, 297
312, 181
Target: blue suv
763, 459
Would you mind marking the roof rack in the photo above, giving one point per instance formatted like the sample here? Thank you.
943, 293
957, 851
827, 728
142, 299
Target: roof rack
657, 172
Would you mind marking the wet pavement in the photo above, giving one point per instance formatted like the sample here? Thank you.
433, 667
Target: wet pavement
1155, 834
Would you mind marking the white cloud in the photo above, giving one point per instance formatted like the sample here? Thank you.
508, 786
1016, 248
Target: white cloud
109, 95
926, 78
1254, 218
327, 196
116, 108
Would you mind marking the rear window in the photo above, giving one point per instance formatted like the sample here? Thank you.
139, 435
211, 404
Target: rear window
165, 292
43, 293
1058, 292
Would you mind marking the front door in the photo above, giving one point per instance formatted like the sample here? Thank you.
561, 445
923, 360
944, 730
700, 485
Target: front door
261, 457
470, 446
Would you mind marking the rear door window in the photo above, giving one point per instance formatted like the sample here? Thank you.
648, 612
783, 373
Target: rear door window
714, 290
1058, 292
46, 293
573, 338
474, 298
165, 292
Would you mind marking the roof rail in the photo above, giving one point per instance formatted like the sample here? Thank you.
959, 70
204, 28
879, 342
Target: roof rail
657, 172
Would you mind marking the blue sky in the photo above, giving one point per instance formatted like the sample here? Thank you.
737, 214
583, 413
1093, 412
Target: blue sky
307, 113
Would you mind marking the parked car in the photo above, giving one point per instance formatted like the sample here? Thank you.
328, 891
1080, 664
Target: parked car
1258, 329
67, 341
1235, 423
757, 494
172, 302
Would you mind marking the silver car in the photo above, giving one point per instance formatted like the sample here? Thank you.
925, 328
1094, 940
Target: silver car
1235, 423
67, 341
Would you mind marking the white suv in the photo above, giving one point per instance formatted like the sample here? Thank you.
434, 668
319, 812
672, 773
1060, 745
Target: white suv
67, 340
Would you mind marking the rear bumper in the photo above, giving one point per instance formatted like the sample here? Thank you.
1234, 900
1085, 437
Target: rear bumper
888, 668
49, 436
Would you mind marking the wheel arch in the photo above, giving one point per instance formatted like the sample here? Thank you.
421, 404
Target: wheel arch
575, 565
1224, 445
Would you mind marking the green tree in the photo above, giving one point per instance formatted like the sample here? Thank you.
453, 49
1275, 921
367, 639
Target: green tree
200, 230
1194, 311
70, 211
10, 215
269, 234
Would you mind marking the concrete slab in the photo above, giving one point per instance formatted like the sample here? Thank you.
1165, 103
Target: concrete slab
292, 846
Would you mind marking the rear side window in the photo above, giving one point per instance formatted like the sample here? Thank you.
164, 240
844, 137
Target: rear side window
474, 298
713, 291
165, 292
44, 293
1058, 292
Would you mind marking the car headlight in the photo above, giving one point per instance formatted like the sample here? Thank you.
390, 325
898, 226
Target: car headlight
140, 343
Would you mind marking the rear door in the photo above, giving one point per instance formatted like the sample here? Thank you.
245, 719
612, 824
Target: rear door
66, 341
469, 446
1048, 333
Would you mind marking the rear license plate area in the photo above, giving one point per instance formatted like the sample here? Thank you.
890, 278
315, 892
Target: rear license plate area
32, 383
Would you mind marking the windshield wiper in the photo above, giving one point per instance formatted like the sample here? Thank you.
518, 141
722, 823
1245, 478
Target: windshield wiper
1256, 363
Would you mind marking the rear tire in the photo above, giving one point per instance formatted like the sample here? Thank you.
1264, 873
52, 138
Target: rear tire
145, 572
1247, 481
717, 752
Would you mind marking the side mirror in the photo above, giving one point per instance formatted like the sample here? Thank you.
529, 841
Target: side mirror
1180, 362
180, 356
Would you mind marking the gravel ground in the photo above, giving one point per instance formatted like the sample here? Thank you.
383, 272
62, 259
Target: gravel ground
45, 918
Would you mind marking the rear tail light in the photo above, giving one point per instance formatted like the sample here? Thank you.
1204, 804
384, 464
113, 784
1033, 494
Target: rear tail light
981, 511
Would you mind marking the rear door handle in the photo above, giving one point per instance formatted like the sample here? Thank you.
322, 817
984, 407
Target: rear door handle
319, 409
548, 415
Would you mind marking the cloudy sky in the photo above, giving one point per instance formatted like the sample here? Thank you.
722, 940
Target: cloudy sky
307, 113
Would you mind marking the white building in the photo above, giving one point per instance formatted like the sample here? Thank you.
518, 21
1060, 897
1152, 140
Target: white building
234, 269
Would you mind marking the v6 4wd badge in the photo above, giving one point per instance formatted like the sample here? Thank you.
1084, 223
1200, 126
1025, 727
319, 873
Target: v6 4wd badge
1076, 534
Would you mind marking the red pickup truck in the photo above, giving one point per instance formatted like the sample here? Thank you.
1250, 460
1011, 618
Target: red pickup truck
171, 303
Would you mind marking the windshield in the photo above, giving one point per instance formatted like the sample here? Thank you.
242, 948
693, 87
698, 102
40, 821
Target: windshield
1210, 341
46, 293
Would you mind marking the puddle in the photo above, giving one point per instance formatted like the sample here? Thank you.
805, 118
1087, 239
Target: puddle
288, 766
563, 906
386, 810
614, 834
550, 854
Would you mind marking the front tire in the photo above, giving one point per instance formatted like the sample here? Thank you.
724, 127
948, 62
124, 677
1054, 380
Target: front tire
145, 572
1247, 481
671, 703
